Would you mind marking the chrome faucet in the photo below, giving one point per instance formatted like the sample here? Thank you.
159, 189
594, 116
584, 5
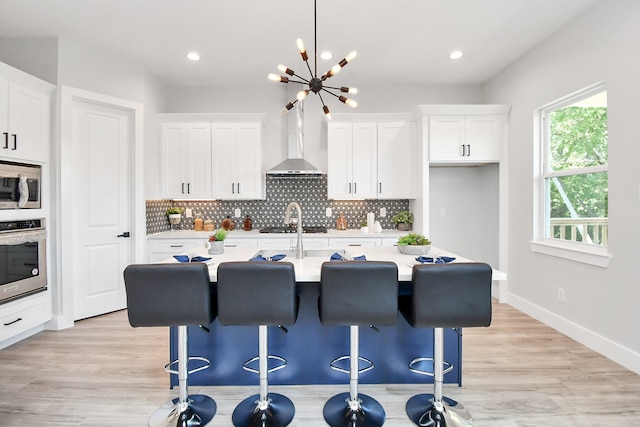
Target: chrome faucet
287, 218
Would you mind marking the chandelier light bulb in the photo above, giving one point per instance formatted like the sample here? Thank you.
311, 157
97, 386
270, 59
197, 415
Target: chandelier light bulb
285, 69
351, 56
277, 78
302, 95
302, 50
327, 113
350, 102
349, 89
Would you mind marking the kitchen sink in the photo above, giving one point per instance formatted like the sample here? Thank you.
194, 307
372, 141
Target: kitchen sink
311, 253
284, 229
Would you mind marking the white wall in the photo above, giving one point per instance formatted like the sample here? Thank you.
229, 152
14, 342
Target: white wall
601, 303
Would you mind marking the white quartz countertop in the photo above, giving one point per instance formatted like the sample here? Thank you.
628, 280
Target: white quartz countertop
308, 269
253, 234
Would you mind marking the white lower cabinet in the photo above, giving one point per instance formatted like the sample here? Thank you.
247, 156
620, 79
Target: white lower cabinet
24, 314
232, 243
389, 241
347, 242
162, 249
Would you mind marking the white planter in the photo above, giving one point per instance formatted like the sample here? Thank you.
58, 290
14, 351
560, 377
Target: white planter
215, 248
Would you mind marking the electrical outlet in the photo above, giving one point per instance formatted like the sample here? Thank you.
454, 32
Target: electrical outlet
383, 212
443, 212
561, 294
237, 212
187, 213
328, 213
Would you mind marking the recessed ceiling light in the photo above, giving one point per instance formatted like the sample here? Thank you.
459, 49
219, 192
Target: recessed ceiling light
193, 56
326, 55
456, 54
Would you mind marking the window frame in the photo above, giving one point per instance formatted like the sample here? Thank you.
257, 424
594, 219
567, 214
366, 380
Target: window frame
587, 253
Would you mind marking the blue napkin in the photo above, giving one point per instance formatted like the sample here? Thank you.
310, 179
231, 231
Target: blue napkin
276, 257
185, 258
337, 257
437, 260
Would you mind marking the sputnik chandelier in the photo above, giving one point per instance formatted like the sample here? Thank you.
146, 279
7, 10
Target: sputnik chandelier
315, 84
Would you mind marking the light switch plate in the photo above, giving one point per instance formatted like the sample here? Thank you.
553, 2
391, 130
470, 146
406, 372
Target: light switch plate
328, 213
237, 212
383, 212
187, 213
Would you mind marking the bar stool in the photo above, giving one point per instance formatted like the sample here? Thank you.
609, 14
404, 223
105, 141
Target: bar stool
357, 293
456, 295
259, 293
174, 295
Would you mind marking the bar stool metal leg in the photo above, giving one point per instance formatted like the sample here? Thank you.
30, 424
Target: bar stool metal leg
353, 409
436, 410
186, 410
264, 409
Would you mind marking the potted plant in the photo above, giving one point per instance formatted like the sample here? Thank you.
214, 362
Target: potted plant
215, 245
175, 214
414, 244
403, 220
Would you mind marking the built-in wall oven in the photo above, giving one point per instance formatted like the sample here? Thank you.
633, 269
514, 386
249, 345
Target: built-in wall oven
23, 261
19, 186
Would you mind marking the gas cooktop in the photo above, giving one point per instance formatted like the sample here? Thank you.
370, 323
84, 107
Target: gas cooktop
283, 229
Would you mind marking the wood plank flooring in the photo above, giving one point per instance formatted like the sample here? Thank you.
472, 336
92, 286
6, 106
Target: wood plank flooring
517, 373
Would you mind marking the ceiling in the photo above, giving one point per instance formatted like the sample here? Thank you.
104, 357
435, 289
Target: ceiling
399, 42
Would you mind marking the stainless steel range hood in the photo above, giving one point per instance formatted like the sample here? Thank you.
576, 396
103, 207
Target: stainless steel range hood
295, 164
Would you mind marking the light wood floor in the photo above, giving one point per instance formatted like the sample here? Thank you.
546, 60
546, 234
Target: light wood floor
518, 372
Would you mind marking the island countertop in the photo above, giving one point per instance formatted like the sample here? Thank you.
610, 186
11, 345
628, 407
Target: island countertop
308, 268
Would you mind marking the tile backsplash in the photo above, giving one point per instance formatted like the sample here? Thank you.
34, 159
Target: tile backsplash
309, 192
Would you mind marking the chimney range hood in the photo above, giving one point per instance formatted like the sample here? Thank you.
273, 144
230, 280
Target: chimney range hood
295, 165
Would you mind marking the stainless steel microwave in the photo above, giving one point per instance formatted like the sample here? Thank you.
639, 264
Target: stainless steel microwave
20, 186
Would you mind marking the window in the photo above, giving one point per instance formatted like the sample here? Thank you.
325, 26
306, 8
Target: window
573, 183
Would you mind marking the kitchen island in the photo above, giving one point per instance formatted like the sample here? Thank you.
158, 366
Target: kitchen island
309, 346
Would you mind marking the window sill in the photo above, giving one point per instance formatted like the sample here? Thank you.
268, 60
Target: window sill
584, 253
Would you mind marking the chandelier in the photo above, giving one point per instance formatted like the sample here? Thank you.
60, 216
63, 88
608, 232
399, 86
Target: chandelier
316, 84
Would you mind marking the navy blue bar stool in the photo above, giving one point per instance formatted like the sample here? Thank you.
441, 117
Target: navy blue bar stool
456, 295
174, 295
357, 293
262, 294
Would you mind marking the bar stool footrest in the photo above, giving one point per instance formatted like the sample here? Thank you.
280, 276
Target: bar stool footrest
199, 412
337, 412
207, 363
334, 364
246, 365
423, 411
448, 366
279, 413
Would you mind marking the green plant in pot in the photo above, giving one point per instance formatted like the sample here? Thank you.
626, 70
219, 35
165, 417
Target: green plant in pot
174, 214
174, 211
215, 245
414, 244
403, 220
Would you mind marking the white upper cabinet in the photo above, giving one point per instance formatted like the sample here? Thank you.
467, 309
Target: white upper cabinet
186, 160
237, 160
371, 160
397, 160
25, 116
462, 139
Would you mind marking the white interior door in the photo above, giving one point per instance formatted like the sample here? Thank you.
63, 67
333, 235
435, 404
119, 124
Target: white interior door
101, 195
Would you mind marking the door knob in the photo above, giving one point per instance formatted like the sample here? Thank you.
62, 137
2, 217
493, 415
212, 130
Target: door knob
125, 234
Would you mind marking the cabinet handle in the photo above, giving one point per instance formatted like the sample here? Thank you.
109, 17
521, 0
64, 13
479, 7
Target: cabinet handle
238, 188
15, 321
233, 188
15, 141
355, 187
188, 188
349, 188
380, 188
183, 188
468, 150
176, 246
6, 140
355, 244
463, 151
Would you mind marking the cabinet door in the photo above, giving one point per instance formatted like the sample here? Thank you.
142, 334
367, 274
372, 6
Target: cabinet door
483, 138
364, 160
28, 123
397, 160
174, 159
4, 116
446, 138
223, 136
339, 150
198, 161
249, 174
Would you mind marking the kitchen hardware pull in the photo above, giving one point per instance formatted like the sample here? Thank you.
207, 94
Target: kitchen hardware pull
380, 186
230, 246
125, 234
15, 141
355, 187
183, 188
233, 188
15, 321
6, 140
468, 150
355, 244
176, 246
188, 188
238, 188
462, 150
349, 188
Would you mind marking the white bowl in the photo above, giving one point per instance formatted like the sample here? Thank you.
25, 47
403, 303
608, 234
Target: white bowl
414, 249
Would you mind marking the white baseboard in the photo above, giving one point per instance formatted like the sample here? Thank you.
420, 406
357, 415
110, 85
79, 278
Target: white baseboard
612, 350
26, 334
